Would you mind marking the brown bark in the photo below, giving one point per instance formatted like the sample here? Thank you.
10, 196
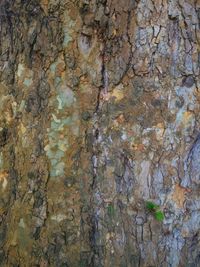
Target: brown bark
99, 114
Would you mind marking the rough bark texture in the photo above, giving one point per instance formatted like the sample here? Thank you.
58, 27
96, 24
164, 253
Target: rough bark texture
100, 112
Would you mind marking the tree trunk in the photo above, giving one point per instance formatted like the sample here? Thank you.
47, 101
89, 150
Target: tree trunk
99, 113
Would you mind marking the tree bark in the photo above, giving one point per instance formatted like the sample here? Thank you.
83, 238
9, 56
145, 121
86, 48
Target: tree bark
100, 113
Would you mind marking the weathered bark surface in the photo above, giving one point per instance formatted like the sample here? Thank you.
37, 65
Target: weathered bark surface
100, 112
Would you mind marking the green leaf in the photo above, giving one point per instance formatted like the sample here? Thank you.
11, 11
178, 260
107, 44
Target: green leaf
159, 215
151, 206
111, 210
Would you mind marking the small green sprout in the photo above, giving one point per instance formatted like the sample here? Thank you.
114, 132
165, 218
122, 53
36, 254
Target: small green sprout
111, 210
155, 210
159, 215
151, 206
